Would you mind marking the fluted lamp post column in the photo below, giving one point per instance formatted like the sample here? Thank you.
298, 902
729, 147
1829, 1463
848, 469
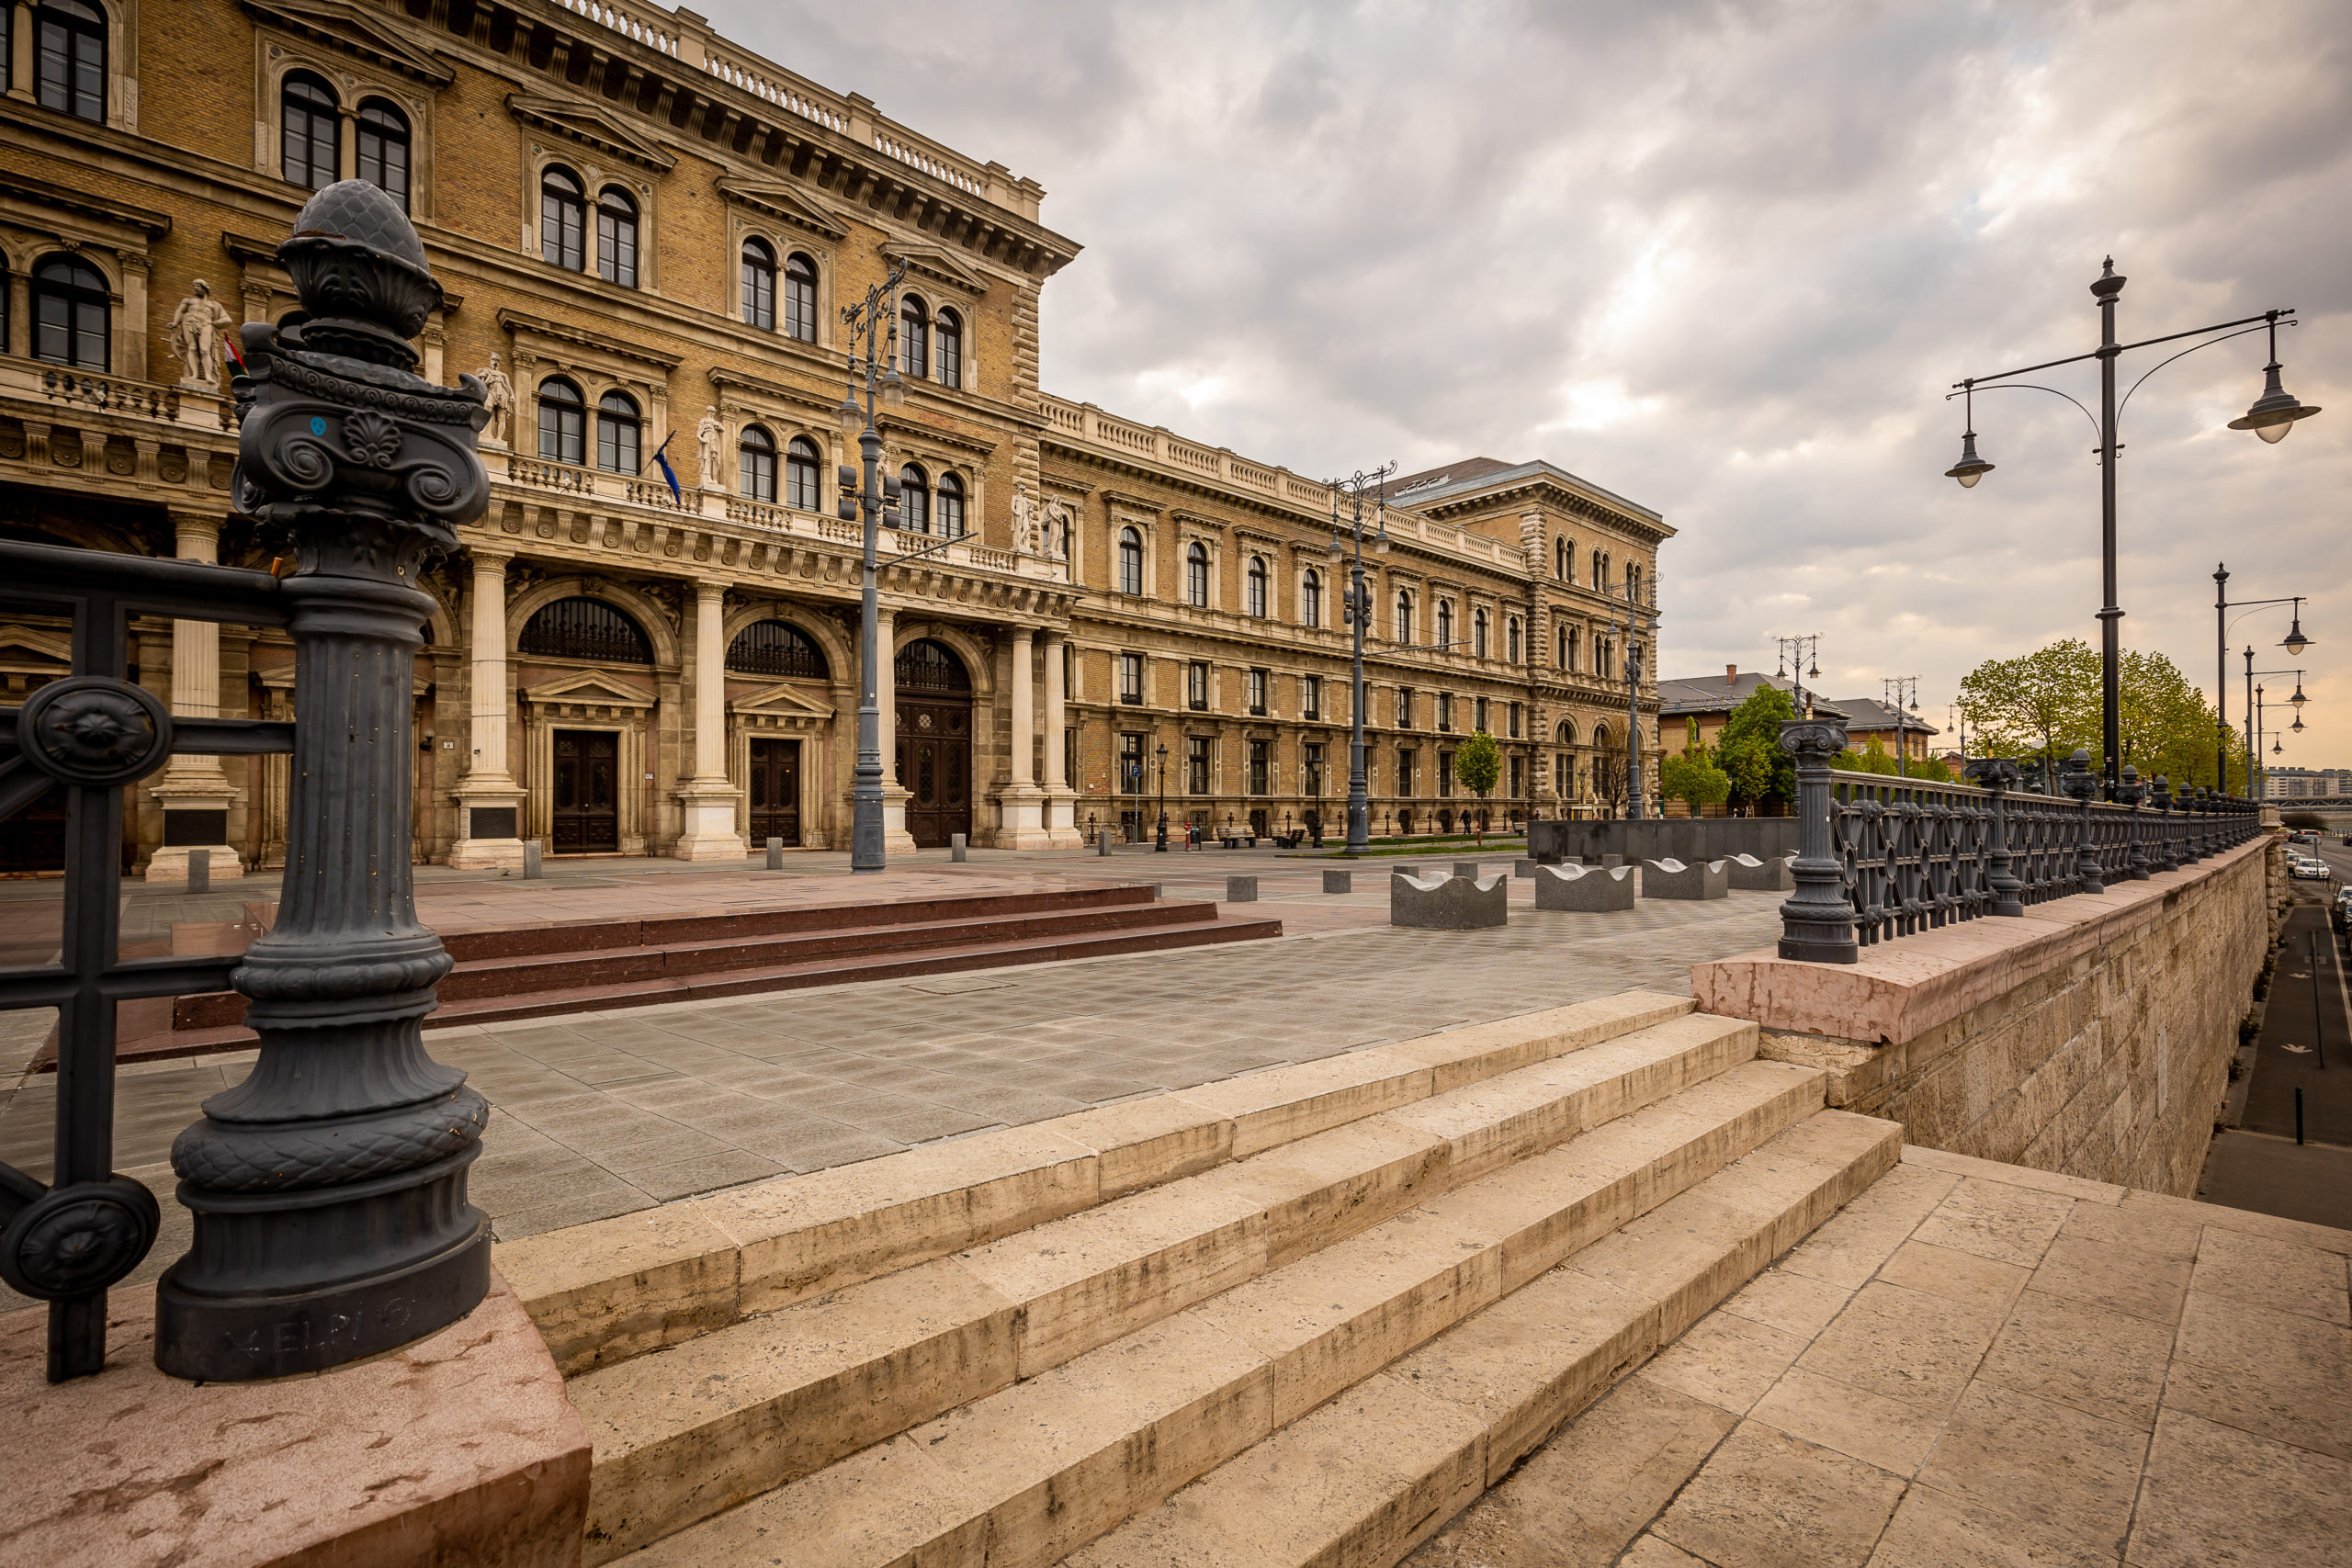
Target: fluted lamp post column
329, 1188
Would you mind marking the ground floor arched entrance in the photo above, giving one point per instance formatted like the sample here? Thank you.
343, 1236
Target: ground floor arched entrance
934, 704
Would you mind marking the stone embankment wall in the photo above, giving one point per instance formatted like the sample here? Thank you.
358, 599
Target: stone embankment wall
2092, 1036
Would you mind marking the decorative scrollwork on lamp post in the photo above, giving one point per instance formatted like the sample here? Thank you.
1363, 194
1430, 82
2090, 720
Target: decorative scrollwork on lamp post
329, 1188
1817, 921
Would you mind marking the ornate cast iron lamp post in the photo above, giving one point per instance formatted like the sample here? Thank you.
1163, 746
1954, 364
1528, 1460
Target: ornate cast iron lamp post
1897, 688
329, 1188
1159, 843
2271, 417
873, 321
2294, 643
1359, 611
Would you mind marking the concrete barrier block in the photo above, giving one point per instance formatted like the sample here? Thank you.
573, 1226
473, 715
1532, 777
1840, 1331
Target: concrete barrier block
1102, 844
1468, 868
1339, 881
1590, 889
1444, 903
775, 855
1749, 874
1613, 860
957, 850
530, 857
199, 871
1240, 889
1672, 879
1522, 869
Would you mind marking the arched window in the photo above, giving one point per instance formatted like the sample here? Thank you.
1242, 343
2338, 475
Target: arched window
951, 349
310, 131
616, 237
71, 314
584, 629
383, 149
1255, 580
800, 474
1444, 623
914, 499
914, 338
759, 284
780, 648
800, 297
564, 421
1310, 598
1405, 616
1634, 583
1197, 575
1478, 634
1600, 570
1511, 636
617, 434
1130, 561
1567, 732
755, 464
1562, 662
927, 665
950, 506
70, 47
563, 220
1560, 558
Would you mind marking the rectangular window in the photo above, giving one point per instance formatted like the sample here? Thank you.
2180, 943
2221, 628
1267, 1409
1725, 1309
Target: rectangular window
1482, 715
1069, 749
1131, 780
1445, 711
1405, 773
1568, 649
1131, 677
1445, 773
1514, 721
1258, 769
1314, 695
1314, 763
1518, 777
1403, 707
1196, 686
1258, 693
1196, 764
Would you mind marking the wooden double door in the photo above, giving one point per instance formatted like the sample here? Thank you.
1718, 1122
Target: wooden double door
586, 791
775, 791
934, 764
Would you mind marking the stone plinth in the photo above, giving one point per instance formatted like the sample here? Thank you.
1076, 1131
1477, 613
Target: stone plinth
2091, 1035
1240, 889
459, 1449
1339, 881
1447, 903
1590, 889
1672, 879
1749, 874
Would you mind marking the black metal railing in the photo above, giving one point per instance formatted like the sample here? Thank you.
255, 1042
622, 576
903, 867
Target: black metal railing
95, 733
1882, 858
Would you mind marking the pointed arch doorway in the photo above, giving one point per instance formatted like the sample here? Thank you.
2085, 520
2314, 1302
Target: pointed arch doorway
933, 700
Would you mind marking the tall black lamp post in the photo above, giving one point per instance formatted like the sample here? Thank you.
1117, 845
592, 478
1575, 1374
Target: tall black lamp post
1897, 688
2271, 417
2253, 715
1638, 618
871, 321
1160, 844
1358, 612
2294, 643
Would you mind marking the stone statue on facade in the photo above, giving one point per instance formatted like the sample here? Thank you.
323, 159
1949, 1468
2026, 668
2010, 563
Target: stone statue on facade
498, 396
1024, 521
707, 436
1058, 524
196, 336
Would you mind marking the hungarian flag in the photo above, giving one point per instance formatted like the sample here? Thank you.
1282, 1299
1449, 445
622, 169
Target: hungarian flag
236, 354
663, 463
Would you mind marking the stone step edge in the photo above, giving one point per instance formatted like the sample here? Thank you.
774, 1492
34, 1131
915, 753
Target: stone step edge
1018, 1479
1461, 1248
1426, 1437
608, 1290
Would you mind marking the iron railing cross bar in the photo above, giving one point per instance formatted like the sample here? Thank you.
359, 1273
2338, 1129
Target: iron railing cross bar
132, 979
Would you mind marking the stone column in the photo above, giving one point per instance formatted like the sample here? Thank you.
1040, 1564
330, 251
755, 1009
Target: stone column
1061, 799
490, 803
195, 793
1021, 805
707, 800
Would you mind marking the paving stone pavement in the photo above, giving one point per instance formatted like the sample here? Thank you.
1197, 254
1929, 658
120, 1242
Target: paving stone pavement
1971, 1365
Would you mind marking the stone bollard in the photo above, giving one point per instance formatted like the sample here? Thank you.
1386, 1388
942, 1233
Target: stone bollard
1590, 889
1672, 879
1468, 868
1339, 881
1749, 874
1522, 869
1240, 889
958, 851
1442, 903
530, 857
199, 871
1613, 860
1103, 844
775, 855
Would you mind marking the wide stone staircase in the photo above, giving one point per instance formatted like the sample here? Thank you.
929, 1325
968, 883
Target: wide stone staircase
1301, 1316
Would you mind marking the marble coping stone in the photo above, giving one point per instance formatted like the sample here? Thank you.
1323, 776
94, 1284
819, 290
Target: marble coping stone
459, 1448
1901, 989
1749, 874
1594, 889
612, 1289
1449, 903
1672, 879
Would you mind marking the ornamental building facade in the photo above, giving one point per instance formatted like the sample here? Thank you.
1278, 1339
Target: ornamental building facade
647, 237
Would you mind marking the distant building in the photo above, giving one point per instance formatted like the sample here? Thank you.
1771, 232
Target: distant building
2305, 783
1693, 711
1868, 719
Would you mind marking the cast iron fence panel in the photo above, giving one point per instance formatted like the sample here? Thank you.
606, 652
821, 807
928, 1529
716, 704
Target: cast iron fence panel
97, 733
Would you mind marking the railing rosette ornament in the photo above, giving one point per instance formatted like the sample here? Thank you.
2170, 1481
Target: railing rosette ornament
329, 1188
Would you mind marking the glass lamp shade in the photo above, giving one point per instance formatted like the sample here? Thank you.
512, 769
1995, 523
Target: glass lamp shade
894, 388
851, 418
2298, 699
2298, 726
2296, 641
2277, 748
2275, 412
1971, 467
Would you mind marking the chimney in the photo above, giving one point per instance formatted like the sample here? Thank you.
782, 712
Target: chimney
1731, 674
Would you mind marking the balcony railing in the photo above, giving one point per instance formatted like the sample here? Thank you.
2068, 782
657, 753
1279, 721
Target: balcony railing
1883, 858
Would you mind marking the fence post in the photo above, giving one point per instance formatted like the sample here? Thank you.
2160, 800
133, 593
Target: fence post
329, 1188
2164, 859
1999, 775
2076, 779
1817, 921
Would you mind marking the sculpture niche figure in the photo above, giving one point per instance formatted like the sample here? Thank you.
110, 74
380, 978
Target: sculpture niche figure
329, 1187
194, 335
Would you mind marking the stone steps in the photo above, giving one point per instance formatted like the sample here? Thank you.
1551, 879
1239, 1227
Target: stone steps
1182, 1324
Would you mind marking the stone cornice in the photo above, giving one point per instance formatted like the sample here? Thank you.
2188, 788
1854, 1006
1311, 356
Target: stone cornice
524, 326
353, 30
579, 121
105, 210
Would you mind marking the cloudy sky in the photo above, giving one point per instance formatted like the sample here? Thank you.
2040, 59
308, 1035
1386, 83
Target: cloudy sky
1722, 258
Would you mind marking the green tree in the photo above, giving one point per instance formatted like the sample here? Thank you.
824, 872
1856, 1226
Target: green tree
2039, 708
1748, 751
1478, 764
1694, 778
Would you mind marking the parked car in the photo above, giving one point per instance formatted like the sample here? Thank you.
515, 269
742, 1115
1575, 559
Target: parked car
2309, 871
